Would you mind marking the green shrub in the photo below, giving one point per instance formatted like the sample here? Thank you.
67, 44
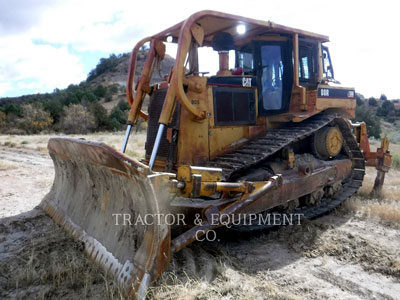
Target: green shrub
78, 119
104, 65
10, 144
113, 89
118, 115
396, 161
2, 119
100, 91
364, 114
114, 124
108, 97
360, 99
123, 105
100, 115
386, 108
89, 96
35, 118
372, 101
13, 108
55, 108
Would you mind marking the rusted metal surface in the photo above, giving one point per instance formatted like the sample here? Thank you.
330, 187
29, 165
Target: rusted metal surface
197, 113
295, 184
216, 22
265, 146
199, 230
131, 76
276, 192
335, 193
93, 182
142, 87
328, 142
381, 159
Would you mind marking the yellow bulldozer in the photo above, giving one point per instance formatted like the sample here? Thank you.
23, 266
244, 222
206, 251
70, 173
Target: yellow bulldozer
271, 134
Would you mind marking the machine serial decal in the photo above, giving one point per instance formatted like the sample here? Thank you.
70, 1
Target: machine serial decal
336, 93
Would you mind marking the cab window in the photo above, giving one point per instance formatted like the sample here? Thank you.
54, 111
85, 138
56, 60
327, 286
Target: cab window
326, 63
308, 67
245, 60
271, 76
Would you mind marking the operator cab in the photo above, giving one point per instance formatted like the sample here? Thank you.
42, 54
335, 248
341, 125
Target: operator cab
271, 64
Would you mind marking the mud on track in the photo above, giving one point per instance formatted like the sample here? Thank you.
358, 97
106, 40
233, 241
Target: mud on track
340, 256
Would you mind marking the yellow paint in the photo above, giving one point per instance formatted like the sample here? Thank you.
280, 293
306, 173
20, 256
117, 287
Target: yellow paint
225, 139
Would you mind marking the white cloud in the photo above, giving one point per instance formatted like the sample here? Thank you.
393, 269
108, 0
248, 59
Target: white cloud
363, 36
38, 67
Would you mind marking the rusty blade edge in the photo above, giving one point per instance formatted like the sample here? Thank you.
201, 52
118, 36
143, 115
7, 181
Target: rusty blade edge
94, 249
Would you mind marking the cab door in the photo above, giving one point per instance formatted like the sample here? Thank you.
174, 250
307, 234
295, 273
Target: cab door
274, 73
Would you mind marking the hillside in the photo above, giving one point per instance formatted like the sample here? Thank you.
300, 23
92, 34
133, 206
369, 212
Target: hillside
114, 70
99, 103
381, 115
96, 104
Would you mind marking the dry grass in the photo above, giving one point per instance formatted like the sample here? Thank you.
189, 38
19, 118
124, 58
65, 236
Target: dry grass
229, 284
5, 165
391, 187
384, 210
113, 139
386, 207
50, 266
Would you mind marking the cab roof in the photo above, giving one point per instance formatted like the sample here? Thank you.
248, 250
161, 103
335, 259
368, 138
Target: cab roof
213, 22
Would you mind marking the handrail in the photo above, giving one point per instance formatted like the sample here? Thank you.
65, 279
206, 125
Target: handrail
185, 39
296, 83
133, 100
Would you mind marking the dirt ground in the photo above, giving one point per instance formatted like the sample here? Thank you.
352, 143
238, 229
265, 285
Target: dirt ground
352, 253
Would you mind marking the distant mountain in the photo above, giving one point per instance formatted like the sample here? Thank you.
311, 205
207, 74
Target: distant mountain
109, 72
100, 100
114, 70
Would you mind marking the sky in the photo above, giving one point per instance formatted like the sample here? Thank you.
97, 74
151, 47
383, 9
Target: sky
48, 44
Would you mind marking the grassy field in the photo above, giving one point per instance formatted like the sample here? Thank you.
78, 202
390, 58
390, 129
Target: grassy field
360, 236
113, 139
387, 207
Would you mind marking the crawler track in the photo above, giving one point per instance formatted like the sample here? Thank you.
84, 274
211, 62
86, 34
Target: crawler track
262, 149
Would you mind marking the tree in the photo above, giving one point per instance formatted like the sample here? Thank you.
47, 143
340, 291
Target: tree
100, 91
78, 119
100, 115
372, 101
359, 99
35, 118
13, 108
118, 115
383, 97
123, 105
2, 119
363, 114
386, 108
113, 89
55, 108
105, 64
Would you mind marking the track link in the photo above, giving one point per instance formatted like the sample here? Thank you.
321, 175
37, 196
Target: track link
261, 149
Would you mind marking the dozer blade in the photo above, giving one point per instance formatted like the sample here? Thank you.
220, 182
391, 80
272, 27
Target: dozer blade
96, 189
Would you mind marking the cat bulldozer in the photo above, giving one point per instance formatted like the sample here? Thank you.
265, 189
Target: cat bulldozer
271, 133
